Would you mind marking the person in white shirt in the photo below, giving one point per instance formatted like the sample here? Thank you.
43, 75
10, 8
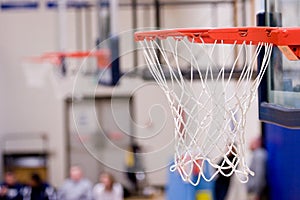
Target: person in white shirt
107, 188
76, 187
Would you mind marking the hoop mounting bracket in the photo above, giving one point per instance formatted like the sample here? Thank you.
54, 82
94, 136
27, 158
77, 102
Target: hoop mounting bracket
291, 52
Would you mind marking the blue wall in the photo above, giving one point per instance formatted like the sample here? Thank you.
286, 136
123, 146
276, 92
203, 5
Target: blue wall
283, 146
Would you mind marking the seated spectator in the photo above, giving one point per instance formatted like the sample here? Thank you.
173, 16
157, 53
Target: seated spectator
76, 187
38, 190
10, 189
107, 188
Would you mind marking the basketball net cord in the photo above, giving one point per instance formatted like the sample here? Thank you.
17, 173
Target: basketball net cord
209, 116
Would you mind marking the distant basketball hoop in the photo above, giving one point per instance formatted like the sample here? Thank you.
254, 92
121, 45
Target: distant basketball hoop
63, 67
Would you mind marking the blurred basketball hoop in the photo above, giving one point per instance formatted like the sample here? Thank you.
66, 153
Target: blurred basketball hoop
62, 68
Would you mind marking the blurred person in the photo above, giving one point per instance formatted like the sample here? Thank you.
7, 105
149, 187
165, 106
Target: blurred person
107, 188
257, 184
38, 189
134, 167
223, 182
10, 189
76, 187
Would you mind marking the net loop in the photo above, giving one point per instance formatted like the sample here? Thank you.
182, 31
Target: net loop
210, 86
178, 37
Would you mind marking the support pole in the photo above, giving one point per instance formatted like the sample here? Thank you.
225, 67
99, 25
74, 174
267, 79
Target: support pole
114, 4
134, 26
62, 23
157, 13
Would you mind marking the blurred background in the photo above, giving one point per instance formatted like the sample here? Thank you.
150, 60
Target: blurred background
63, 103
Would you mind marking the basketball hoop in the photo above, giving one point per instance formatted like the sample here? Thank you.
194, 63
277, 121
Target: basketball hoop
210, 78
62, 67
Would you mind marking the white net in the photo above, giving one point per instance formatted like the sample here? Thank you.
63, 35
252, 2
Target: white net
210, 88
36, 72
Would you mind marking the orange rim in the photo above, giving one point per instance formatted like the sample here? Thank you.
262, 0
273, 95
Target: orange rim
102, 56
274, 35
79, 54
286, 38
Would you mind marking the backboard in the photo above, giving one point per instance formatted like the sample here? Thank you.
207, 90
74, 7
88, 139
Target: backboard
279, 92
